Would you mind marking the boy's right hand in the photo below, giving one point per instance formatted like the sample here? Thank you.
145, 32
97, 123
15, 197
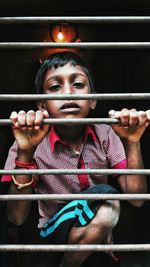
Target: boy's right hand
28, 129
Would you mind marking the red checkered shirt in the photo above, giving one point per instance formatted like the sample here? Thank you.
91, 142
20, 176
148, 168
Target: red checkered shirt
101, 149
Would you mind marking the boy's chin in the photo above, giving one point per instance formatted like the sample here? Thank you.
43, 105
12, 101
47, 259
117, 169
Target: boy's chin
72, 116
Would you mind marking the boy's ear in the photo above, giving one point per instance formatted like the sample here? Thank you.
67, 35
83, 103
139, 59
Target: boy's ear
41, 105
93, 103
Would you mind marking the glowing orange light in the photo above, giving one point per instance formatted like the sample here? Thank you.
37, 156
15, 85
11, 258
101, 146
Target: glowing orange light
63, 33
60, 36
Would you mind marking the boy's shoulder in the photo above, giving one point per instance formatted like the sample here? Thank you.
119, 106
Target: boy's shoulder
102, 131
101, 128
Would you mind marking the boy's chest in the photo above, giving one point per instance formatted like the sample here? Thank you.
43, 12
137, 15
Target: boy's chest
94, 157
90, 157
65, 158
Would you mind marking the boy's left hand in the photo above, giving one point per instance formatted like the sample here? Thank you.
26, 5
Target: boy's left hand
132, 123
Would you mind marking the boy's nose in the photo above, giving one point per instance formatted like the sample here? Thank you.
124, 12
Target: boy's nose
68, 89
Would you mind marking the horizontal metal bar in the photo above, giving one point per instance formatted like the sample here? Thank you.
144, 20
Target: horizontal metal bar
75, 196
48, 248
82, 45
4, 122
95, 19
112, 96
76, 171
69, 121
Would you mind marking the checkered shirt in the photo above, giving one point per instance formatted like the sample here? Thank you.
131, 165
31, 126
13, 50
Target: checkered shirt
105, 152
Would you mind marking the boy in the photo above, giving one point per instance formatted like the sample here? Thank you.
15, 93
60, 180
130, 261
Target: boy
73, 146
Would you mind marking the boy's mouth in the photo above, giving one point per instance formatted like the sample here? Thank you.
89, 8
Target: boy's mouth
69, 107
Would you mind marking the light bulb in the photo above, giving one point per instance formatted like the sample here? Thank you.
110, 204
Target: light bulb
60, 36
63, 33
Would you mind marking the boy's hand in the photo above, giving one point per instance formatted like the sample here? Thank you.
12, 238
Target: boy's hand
132, 123
28, 129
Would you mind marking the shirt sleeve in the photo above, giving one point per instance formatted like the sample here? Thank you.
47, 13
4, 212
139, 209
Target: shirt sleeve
115, 151
121, 165
10, 162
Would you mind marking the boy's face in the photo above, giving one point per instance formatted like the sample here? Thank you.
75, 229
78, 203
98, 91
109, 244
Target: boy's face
67, 80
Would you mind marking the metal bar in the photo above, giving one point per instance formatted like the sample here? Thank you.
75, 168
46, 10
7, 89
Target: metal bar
95, 19
48, 248
112, 96
75, 196
76, 171
4, 122
82, 45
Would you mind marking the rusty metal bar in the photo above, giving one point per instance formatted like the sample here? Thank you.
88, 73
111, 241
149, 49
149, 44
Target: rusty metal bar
95, 19
48, 248
76, 171
112, 96
75, 196
82, 45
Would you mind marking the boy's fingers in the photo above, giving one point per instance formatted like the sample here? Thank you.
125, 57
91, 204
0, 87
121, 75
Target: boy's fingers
148, 114
142, 117
111, 113
14, 118
30, 118
133, 117
114, 114
22, 118
13, 115
124, 116
45, 126
39, 116
46, 115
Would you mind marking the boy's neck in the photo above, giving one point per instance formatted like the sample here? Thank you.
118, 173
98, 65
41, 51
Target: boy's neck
70, 133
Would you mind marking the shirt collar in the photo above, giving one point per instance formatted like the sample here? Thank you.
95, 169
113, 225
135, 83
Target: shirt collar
54, 137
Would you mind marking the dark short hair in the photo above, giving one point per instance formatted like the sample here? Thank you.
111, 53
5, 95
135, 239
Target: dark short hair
60, 59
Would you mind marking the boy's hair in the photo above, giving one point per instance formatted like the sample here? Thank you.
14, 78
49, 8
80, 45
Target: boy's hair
60, 59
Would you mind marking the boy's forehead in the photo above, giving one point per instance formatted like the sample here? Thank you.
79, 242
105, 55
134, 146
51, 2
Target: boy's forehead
67, 69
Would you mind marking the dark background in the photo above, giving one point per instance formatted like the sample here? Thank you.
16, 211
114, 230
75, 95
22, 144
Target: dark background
115, 71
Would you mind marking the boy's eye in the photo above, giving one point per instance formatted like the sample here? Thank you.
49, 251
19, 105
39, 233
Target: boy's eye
79, 85
54, 87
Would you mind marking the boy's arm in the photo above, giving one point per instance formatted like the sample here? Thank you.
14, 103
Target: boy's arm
131, 128
18, 211
29, 133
